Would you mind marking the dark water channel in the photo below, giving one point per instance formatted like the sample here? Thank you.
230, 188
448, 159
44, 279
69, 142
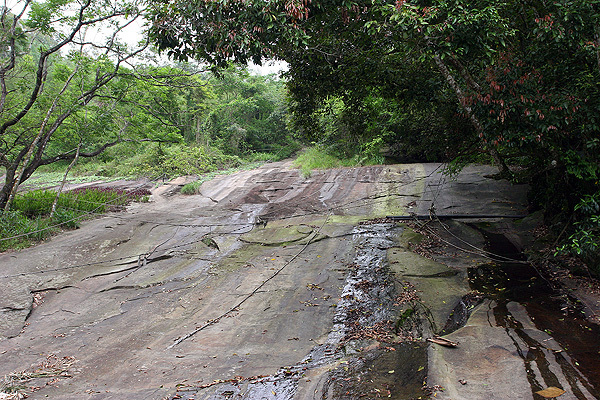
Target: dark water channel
511, 279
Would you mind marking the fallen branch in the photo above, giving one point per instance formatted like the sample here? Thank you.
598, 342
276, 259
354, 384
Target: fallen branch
442, 342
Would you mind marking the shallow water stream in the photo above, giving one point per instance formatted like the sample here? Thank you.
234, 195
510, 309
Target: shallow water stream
511, 280
355, 361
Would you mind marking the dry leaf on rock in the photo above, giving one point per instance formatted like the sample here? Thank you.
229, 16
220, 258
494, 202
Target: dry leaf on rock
551, 392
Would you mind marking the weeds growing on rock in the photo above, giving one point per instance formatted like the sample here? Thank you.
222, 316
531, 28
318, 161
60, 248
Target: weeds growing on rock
29, 220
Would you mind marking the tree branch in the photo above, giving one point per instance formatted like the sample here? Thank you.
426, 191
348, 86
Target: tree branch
466, 75
35, 142
40, 73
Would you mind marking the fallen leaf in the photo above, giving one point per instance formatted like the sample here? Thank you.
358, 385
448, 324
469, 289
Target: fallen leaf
551, 392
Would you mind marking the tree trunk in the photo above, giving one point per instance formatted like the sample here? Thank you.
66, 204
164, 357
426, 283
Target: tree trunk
36, 141
504, 170
597, 45
62, 184
7, 188
14, 185
471, 83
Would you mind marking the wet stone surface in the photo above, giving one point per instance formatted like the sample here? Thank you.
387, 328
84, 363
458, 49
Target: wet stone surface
362, 356
380, 362
516, 320
269, 285
510, 280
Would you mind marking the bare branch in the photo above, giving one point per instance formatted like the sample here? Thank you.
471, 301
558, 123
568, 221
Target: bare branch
40, 74
12, 51
64, 180
99, 150
149, 109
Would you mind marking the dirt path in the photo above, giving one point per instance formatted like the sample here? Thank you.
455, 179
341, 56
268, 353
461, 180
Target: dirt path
264, 286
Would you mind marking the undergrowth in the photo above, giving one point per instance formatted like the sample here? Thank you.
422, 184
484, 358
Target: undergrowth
28, 221
194, 187
319, 157
154, 159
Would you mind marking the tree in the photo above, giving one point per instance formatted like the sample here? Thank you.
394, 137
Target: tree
247, 114
40, 89
344, 48
524, 74
163, 100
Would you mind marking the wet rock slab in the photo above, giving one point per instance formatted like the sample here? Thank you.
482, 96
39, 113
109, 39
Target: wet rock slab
116, 294
499, 362
268, 285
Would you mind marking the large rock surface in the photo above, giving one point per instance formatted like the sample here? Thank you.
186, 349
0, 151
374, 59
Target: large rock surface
251, 289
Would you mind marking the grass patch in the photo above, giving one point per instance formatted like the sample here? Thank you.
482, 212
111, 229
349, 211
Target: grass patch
264, 157
28, 221
322, 157
194, 187
319, 158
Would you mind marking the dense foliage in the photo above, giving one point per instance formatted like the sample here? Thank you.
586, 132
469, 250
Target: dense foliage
248, 114
71, 90
516, 80
424, 80
55, 83
77, 96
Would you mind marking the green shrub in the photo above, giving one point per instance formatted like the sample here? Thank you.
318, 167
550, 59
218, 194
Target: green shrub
13, 223
584, 242
28, 220
153, 159
191, 188
174, 160
370, 153
18, 231
66, 218
93, 199
265, 157
34, 203
275, 153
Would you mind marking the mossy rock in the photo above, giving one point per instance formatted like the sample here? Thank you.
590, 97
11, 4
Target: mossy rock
277, 236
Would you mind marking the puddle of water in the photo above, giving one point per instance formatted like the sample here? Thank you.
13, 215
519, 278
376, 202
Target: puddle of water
551, 312
396, 375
